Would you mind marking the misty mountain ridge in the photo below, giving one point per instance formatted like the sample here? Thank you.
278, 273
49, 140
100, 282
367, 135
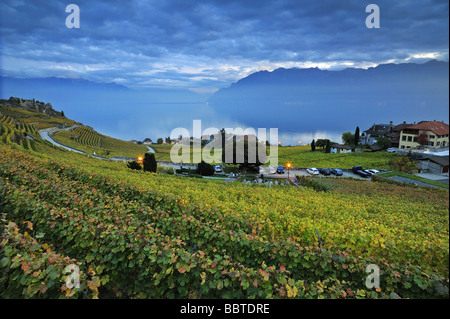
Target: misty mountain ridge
311, 100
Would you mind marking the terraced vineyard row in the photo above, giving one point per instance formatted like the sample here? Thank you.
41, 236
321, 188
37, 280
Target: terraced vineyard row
144, 242
15, 132
86, 139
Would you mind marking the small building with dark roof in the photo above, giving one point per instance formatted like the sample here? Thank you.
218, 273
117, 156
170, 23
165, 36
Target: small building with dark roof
434, 164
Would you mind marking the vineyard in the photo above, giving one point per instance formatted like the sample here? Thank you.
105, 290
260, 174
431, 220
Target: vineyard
144, 235
12, 131
86, 139
38, 120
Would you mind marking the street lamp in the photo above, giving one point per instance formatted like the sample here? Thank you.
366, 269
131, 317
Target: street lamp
289, 168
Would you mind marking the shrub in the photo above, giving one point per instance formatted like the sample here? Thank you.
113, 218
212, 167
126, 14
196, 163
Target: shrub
134, 165
310, 182
205, 169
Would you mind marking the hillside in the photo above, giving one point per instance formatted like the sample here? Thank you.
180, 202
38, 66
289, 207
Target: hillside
143, 235
21, 120
39, 114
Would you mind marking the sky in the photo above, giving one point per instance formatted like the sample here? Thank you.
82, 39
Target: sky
204, 46
207, 45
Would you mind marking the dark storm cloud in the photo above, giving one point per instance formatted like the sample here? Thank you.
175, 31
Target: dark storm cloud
212, 43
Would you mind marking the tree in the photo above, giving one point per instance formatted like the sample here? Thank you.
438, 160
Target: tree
222, 136
422, 139
62, 114
321, 142
383, 142
356, 136
348, 138
159, 140
313, 145
403, 164
149, 162
205, 169
328, 147
168, 140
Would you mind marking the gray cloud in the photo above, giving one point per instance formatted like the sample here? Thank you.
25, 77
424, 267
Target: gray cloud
209, 44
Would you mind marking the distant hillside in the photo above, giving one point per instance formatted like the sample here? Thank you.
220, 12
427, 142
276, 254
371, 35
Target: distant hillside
20, 120
60, 83
311, 100
39, 114
30, 105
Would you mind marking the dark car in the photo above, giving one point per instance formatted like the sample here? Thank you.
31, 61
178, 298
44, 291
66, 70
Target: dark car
280, 169
336, 171
324, 171
358, 170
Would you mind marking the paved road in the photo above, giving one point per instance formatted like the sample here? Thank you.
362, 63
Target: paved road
45, 134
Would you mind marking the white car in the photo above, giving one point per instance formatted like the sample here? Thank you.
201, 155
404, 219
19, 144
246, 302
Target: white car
391, 150
312, 171
218, 168
373, 171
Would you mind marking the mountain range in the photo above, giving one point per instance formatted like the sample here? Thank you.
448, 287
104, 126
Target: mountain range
308, 100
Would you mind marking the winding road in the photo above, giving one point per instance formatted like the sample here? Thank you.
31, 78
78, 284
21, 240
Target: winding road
46, 135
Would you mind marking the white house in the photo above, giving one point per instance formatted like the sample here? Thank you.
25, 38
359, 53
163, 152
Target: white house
338, 148
147, 141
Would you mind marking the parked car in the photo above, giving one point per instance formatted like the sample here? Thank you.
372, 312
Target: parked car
218, 169
267, 170
280, 169
373, 171
312, 171
391, 150
358, 170
324, 171
336, 171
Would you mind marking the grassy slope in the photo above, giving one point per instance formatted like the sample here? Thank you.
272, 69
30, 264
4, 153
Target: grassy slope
301, 156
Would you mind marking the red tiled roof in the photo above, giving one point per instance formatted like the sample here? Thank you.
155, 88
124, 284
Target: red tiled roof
436, 127
400, 127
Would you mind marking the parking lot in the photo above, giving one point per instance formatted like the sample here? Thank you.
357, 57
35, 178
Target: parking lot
303, 172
